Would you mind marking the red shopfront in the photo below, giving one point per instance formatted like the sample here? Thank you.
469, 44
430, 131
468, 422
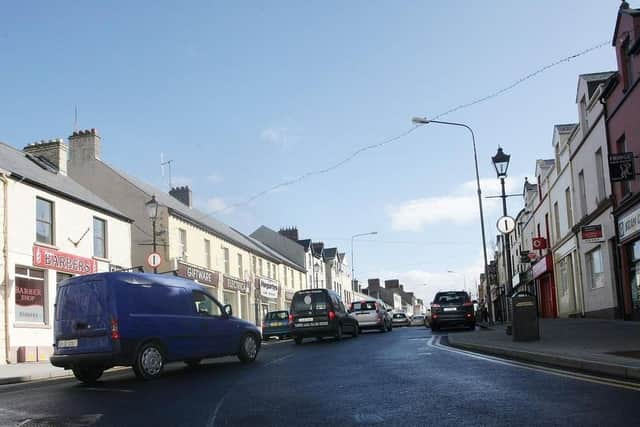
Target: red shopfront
542, 272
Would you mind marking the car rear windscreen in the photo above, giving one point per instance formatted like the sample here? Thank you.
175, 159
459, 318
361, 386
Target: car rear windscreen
82, 300
451, 298
399, 316
363, 306
278, 315
310, 303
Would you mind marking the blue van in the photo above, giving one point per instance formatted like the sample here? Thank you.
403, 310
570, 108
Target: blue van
144, 321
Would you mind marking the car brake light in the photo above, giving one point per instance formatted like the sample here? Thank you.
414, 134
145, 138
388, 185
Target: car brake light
468, 314
332, 315
435, 305
115, 333
467, 304
434, 316
291, 319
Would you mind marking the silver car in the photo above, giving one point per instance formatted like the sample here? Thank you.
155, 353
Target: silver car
418, 320
371, 314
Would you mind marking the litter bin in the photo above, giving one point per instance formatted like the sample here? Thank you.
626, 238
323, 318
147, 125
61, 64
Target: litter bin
525, 317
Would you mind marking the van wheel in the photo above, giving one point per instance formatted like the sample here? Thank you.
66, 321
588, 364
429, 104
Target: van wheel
87, 374
339, 332
193, 362
297, 339
149, 361
248, 348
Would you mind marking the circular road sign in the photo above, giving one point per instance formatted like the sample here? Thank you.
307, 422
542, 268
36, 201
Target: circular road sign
506, 224
154, 259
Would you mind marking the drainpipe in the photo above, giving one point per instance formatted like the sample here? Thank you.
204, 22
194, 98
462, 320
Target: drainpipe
5, 252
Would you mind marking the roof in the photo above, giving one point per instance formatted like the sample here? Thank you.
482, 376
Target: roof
330, 253
306, 244
141, 278
565, 128
42, 175
317, 248
626, 10
203, 220
291, 250
594, 80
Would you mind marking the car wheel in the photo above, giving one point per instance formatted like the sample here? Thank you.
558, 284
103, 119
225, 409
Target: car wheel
356, 331
149, 361
249, 348
339, 332
87, 374
193, 363
297, 339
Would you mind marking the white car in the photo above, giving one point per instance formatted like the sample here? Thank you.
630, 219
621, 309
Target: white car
418, 320
371, 314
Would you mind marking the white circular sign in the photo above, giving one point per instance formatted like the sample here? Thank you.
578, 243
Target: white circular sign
506, 224
154, 259
307, 299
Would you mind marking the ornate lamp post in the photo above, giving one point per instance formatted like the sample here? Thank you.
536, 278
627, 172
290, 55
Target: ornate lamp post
152, 212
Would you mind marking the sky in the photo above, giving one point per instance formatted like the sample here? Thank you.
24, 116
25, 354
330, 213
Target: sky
244, 95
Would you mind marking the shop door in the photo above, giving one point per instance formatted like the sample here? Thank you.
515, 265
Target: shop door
547, 297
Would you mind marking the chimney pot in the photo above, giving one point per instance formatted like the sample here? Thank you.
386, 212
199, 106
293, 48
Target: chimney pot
182, 194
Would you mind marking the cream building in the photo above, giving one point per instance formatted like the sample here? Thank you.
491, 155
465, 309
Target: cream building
52, 228
237, 269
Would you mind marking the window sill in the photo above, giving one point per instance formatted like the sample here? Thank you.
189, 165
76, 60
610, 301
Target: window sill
31, 326
46, 245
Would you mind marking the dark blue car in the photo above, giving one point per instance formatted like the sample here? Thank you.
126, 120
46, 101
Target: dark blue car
144, 321
276, 324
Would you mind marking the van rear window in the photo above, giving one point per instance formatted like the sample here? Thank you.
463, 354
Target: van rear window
310, 303
81, 300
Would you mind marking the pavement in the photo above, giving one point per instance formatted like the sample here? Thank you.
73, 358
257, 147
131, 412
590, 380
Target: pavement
401, 378
603, 347
22, 372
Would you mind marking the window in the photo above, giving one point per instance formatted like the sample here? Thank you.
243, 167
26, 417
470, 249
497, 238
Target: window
44, 221
600, 175
556, 214
30, 295
300, 277
292, 281
583, 194
207, 253
182, 244
99, 238
567, 200
286, 283
254, 264
622, 148
584, 125
260, 266
269, 269
205, 305
595, 268
225, 252
275, 272
558, 167
240, 266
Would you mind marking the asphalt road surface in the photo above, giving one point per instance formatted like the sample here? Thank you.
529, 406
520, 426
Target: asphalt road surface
403, 378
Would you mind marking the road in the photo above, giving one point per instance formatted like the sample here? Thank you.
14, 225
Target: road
402, 378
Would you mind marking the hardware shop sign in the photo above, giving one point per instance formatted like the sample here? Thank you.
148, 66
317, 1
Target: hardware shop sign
268, 288
62, 261
201, 275
629, 224
232, 284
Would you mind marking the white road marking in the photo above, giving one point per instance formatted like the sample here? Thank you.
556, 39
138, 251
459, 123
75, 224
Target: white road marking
118, 390
212, 420
278, 360
435, 343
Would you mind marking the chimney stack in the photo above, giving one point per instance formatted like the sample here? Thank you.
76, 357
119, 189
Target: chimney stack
291, 233
182, 194
54, 150
84, 145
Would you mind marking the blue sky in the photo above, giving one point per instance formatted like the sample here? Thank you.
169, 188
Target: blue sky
243, 95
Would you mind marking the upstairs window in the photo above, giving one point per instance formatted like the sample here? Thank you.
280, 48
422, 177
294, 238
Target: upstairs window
99, 238
44, 221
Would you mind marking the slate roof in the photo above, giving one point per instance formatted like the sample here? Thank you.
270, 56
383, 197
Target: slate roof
306, 244
330, 253
19, 166
284, 246
565, 128
207, 222
594, 80
317, 248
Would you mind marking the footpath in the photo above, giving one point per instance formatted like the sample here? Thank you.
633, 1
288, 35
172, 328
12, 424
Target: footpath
30, 371
603, 347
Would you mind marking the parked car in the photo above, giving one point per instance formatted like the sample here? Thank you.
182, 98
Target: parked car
452, 308
144, 321
320, 313
400, 319
371, 314
276, 324
418, 320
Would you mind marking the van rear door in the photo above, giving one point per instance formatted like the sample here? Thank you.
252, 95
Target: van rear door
311, 308
83, 316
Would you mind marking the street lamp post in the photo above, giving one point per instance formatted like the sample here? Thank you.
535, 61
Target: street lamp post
353, 277
152, 213
501, 164
424, 121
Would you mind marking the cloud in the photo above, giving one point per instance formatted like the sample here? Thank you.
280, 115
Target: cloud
277, 136
460, 207
215, 178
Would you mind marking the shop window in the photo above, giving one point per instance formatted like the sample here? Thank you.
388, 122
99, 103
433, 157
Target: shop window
30, 295
595, 268
44, 221
99, 238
